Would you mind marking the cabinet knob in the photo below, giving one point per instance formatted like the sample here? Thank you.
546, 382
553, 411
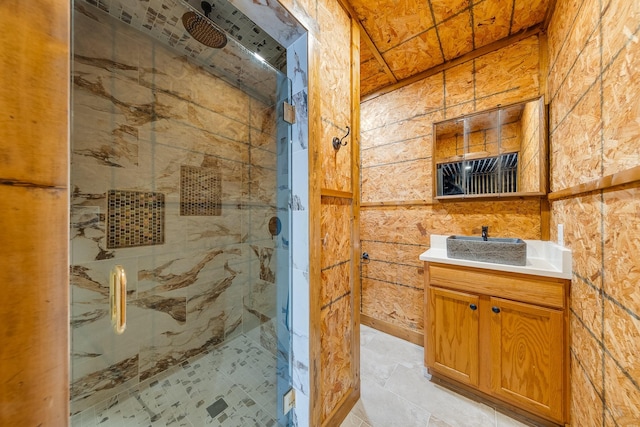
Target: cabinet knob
473, 306
495, 309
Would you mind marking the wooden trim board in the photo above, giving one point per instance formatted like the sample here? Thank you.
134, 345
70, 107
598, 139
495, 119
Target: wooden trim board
626, 177
34, 200
327, 192
315, 237
343, 408
391, 329
364, 36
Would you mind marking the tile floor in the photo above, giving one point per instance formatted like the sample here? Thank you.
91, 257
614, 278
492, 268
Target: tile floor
241, 373
395, 392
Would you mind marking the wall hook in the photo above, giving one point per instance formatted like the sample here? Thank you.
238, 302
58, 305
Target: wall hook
337, 143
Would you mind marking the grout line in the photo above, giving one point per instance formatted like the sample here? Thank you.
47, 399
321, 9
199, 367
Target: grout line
551, 66
330, 303
602, 213
602, 315
393, 243
329, 267
392, 283
570, 68
623, 370
444, 94
513, 12
475, 84
630, 312
403, 120
396, 263
604, 69
386, 144
396, 163
587, 282
435, 26
589, 379
442, 109
473, 32
601, 101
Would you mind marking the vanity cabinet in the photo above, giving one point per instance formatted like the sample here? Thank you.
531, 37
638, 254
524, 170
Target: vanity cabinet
453, 330
501, 335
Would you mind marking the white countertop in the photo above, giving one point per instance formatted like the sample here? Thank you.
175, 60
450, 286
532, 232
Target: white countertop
543, 259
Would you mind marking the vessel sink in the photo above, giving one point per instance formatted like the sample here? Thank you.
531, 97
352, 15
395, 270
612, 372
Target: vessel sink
495, 250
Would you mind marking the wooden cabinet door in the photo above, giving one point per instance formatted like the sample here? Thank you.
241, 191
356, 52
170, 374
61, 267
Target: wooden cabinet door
527, 356
452, 336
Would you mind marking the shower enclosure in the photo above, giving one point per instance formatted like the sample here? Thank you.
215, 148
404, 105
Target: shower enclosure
180, 175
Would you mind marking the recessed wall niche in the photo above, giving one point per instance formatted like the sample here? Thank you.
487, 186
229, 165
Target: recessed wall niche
200, 190
134, 218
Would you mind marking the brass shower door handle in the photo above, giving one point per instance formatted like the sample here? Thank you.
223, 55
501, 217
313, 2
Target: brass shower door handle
118, 299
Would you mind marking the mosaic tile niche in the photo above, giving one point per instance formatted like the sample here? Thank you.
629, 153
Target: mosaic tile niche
199, 191
134, 218
153, 130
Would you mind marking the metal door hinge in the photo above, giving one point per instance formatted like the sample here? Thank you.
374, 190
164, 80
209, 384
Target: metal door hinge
289, 401
289, 113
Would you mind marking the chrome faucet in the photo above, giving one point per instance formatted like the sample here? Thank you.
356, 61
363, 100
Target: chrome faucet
485, 232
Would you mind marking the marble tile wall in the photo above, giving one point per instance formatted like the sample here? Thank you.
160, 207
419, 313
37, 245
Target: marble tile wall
162, 20
396, 154
593, 52
297, 70
141, 111
328, 31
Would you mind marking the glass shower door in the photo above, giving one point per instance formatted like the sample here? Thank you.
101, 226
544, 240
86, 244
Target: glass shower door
180, 178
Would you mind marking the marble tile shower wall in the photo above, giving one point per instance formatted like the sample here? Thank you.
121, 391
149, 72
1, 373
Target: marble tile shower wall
161, 19
140, 112
297, 63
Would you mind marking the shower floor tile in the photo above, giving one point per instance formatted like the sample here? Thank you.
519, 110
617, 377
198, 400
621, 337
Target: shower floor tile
241, 372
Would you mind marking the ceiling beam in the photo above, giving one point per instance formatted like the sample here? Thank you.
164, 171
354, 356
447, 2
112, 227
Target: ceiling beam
364, 36
514, 38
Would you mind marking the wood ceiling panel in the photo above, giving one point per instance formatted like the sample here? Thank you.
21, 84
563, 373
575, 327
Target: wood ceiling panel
444, 9
401, 39
418, 54
390, 23
374, 82
456, 36
491, 22
370, 68
528, 13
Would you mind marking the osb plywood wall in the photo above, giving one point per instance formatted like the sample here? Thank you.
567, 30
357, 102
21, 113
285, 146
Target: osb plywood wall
34, 99
338, 302
529, 174
333, 201
594, 55
398, 214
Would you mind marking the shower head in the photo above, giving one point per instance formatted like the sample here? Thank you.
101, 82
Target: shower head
206, 8
203, 30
